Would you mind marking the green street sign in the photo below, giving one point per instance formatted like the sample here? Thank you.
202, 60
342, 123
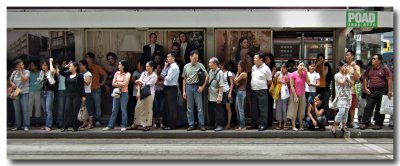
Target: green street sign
361, 19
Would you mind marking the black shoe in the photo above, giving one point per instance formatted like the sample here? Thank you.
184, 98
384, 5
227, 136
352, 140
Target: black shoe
190, 128
377, 127
168, 128
219, 128
363, 127
146, 129
261, 128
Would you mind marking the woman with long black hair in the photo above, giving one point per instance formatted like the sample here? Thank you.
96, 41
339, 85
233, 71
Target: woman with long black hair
75, 95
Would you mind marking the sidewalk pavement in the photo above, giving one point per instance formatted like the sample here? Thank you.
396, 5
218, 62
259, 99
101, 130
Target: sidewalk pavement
97, 132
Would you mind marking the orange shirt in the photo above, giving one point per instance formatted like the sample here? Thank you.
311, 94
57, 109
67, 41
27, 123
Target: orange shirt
321, 71
97, 72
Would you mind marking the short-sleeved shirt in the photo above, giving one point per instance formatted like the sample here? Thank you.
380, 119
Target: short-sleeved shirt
216, 83
226, 83
61, 82
377, 77
17, 80
299, 82
97, 72
88, 87
259, 77
320, 71
34, 84
122, 77
313, 79
190, 72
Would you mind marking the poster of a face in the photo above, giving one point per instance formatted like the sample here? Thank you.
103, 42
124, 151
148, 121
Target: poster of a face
234, 44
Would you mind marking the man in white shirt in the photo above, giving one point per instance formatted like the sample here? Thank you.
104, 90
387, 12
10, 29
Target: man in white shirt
261, 78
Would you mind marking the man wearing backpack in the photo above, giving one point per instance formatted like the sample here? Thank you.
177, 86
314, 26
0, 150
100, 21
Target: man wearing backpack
195, 79
377, 82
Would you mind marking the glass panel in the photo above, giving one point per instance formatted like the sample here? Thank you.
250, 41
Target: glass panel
311, 50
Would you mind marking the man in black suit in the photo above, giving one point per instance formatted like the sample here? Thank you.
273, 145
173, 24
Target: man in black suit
152, 48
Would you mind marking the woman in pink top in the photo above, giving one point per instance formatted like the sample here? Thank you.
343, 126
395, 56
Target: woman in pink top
121, 81
297, 100
144, 108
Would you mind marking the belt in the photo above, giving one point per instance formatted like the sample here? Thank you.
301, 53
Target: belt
377, 89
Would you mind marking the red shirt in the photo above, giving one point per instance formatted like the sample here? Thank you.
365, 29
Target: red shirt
377, 77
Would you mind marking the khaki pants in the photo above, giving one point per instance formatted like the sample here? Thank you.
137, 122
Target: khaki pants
296, 109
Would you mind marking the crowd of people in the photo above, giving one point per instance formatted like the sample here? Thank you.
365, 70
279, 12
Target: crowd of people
163, 88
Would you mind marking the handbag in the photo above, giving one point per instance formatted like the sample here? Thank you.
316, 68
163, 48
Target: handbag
116, 93
145, 92
83, 114
357, 87
285, 92
386, 105
16, 92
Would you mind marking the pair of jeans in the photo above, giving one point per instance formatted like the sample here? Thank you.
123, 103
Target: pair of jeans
61, 97
96, 94
47, 105
240, 96
158, 104
194, 97
259, 107
320, 122
119, 104
21, 111
34, 104
89, 104
342, 115
374, 100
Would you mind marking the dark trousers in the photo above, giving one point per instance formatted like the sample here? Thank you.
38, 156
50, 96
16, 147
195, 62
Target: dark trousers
270, 110
171, 107
259, 107
375, 98
219, 113
72, 106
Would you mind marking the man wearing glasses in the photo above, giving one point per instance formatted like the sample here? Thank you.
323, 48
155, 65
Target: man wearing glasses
377, 82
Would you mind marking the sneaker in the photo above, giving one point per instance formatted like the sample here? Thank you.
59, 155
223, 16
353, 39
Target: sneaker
219, 128
203, 128
26, 129
354, 125
15, 129
106, 129
123, 129
190, 128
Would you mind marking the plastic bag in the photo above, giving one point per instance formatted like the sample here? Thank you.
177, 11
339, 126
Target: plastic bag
386, 105
275, 89
83, 114
358, 88
285, 92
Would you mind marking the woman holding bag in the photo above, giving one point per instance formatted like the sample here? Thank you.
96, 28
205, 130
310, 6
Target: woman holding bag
19, 81
121, 81
144, 107
75, 95
282, 102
